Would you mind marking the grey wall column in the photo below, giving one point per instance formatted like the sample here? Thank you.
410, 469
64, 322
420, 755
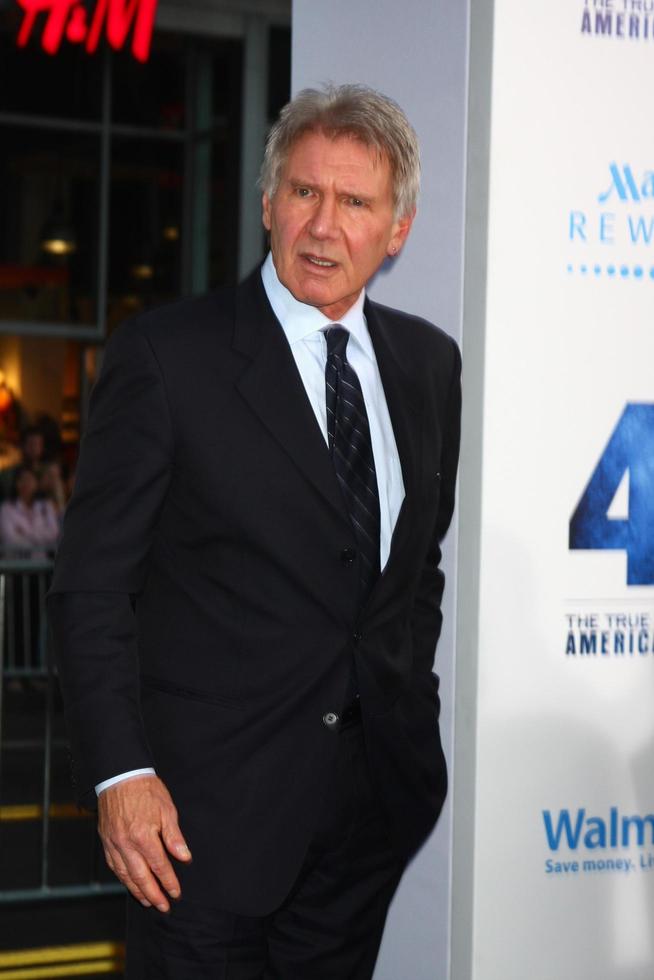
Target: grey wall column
417, 54
254, 124
470, 477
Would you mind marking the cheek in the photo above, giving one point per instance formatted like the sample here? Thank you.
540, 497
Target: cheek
367, 244
283, 235
368, 256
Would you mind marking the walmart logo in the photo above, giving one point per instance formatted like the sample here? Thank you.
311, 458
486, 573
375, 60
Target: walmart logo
576, 828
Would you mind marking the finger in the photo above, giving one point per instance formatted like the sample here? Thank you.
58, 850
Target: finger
174, 841
151, 850
116, 864
141, 877
158, 862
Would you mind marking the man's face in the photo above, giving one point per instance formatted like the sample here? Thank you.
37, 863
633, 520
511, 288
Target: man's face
331, 221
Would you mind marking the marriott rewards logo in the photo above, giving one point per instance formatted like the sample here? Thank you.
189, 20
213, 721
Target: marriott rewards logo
598, 843
611, 232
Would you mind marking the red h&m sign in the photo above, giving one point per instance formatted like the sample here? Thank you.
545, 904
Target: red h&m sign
70, 19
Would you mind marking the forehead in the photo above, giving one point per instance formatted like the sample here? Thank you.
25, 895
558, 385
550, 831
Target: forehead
319, 157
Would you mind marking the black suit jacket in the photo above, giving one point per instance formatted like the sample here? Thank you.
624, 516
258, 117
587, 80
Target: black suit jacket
204, 615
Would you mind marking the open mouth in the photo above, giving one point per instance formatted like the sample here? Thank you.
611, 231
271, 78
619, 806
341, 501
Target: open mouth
319, 262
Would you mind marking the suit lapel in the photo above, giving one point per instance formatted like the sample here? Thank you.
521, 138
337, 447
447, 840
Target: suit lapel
273, 389
406, 411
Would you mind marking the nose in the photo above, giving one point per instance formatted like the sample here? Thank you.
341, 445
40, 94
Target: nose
324, 220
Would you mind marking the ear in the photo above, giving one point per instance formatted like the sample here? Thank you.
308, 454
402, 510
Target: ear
266, 216
399, 233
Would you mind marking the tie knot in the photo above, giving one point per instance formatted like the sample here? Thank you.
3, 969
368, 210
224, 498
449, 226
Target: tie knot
337, 338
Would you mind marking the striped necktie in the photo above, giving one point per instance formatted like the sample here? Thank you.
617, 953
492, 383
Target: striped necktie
351, 449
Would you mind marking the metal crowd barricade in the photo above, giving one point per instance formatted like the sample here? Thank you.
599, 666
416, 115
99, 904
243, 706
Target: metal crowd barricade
33, 745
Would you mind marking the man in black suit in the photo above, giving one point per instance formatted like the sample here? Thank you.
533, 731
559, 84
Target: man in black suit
246, 600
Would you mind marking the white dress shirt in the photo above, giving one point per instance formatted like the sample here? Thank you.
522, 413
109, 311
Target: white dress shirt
304, 328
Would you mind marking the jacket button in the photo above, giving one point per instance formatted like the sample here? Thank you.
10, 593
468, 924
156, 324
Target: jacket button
348, 555
330, 719
357, 637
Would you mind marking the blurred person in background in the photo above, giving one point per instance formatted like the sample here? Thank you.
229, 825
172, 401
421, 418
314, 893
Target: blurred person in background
29, 524
52, 486
32, 447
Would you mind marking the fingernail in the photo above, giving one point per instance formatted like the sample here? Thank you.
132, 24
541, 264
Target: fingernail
145, 903
162, 908
183, 851
174, 893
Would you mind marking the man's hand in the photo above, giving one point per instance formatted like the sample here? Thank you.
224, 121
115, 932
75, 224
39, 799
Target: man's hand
138, 825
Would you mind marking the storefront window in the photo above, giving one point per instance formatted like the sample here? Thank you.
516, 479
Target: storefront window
66, 87
49, 206
119, 190
109, 163
152, 94
145, 239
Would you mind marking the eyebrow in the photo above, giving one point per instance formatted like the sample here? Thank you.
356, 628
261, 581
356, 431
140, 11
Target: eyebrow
296, 182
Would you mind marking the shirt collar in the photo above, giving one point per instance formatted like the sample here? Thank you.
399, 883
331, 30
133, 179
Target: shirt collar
299, 320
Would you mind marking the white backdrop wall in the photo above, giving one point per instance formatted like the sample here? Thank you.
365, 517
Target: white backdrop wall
556, 864
552, 841
417, 54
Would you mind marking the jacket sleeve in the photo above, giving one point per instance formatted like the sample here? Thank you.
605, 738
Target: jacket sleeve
427, 617
121, 484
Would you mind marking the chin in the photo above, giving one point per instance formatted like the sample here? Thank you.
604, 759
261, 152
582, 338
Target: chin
313, 297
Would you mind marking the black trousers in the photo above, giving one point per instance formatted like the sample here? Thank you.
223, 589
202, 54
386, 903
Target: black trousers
328, 928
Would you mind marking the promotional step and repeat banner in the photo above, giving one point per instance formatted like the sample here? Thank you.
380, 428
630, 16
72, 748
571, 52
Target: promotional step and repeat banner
564, 838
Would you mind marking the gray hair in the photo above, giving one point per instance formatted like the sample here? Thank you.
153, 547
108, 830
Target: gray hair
348, 110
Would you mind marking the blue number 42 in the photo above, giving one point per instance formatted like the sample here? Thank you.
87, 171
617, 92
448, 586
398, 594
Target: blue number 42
631, 447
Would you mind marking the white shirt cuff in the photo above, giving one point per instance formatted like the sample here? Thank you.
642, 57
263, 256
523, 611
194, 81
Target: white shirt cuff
105, 784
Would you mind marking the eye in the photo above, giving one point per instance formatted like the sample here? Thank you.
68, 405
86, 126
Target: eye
356, 202
302, 191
